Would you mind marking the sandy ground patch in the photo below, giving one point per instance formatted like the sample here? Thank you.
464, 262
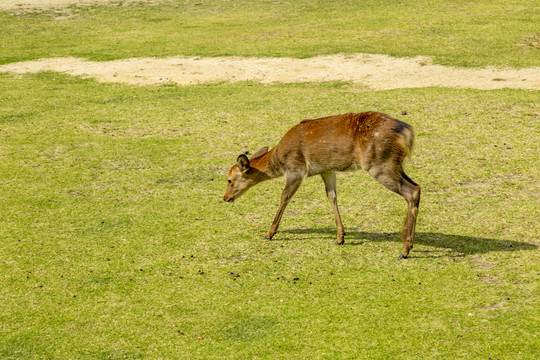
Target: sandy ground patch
46, 4
376, 72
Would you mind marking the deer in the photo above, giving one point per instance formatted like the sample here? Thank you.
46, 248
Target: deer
373, 141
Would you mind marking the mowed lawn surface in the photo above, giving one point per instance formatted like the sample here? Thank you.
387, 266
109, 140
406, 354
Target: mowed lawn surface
461, 33
115, 242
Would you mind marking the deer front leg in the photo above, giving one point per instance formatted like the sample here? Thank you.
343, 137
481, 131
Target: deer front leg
330, 184
292, 184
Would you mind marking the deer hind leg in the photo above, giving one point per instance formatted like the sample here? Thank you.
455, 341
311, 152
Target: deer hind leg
411, 192
400, 183
291, 185
329, 179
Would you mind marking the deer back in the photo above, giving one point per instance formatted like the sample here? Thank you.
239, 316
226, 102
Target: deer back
343, 142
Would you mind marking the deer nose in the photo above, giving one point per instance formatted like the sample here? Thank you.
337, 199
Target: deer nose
228, 198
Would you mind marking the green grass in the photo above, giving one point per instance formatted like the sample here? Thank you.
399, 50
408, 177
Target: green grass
461, 33
116, 242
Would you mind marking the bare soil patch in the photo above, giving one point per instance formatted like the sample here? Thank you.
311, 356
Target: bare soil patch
375, 72
10, 5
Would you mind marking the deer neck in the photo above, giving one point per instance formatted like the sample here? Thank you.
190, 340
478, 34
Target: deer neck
266, 167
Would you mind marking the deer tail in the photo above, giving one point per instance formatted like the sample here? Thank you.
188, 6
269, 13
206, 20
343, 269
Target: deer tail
406, 139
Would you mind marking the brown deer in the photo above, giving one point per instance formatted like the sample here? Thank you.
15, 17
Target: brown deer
373, 141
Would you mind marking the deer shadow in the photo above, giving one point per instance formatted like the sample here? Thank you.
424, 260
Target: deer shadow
461, 244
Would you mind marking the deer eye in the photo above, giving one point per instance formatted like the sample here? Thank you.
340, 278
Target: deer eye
229, 181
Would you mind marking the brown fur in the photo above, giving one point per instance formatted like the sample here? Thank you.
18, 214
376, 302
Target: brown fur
373, 141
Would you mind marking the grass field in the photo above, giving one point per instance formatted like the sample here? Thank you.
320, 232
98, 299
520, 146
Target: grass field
462, 33
116, 244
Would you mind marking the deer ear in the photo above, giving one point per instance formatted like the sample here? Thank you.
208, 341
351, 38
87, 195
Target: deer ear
259, 153
243, 163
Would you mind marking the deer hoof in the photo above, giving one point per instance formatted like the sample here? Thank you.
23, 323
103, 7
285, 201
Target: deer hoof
401, 256
339, 243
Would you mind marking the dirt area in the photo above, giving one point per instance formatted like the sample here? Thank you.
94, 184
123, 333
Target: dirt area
46, 4
376, 72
